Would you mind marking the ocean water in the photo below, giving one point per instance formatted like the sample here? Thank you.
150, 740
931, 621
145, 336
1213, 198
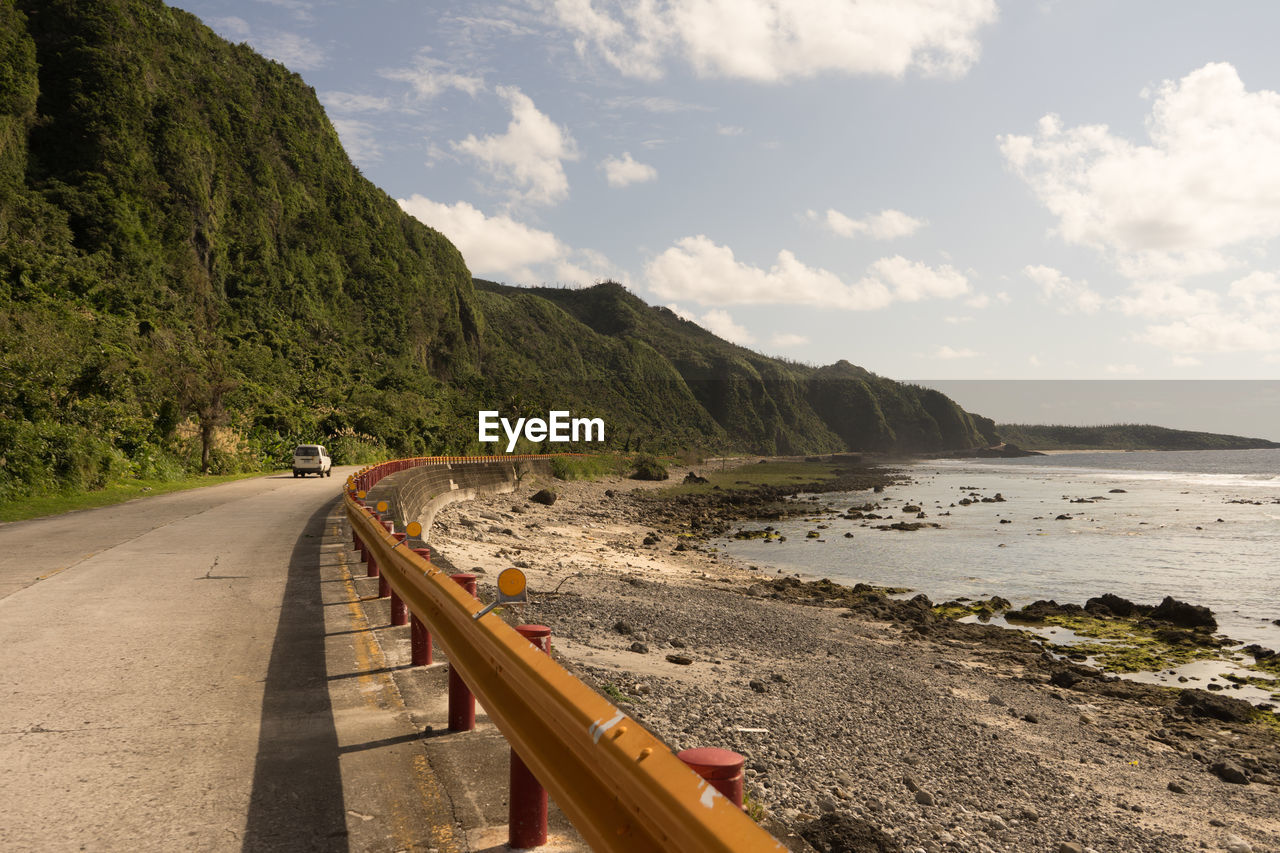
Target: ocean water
1202, 526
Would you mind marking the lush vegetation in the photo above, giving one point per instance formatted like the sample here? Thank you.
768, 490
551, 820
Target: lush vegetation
194, 277
1122, 437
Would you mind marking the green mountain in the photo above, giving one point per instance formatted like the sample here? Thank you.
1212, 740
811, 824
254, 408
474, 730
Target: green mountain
194, 275
1123, 437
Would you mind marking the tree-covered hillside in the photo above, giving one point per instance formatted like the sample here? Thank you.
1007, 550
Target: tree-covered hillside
1123, 437
738, 397
193, 275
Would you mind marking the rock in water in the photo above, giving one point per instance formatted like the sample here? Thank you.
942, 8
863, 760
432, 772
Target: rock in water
1185, 615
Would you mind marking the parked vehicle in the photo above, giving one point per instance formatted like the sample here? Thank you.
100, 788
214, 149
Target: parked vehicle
311, 459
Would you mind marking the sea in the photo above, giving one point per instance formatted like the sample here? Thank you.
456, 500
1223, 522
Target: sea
1201, 526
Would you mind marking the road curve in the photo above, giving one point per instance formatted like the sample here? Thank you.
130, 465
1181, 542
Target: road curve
192, 671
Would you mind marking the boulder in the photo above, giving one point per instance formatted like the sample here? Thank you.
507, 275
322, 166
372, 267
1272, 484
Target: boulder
1112, 605
1198, 703
546, 497
842, 832
1184, 615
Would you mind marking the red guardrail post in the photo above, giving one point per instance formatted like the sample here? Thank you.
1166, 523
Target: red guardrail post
419, 636
384, 588
527, 806
722, 768
462, 702
399, 610
371, 560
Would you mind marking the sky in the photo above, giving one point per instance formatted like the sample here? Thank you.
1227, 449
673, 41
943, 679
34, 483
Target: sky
953, 189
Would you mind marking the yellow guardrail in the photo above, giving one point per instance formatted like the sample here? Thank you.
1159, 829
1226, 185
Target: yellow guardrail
620, 786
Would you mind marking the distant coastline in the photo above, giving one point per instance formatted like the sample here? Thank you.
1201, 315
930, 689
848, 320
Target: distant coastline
1054, 438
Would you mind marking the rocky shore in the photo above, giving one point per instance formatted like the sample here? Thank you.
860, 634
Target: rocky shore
868, 722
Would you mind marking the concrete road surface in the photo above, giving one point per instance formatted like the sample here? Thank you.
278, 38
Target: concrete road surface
195, 672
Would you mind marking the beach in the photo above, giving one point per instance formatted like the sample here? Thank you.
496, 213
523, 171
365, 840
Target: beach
866, 722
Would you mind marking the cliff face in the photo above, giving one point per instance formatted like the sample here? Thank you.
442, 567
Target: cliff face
192, 271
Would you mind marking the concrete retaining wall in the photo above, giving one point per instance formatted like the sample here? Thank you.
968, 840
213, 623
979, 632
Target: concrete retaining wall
419, 493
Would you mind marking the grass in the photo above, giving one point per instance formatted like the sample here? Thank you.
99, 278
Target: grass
39, 506
771, 473
589, 466
1125, 646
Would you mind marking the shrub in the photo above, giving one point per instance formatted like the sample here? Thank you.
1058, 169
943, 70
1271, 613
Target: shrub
648, 468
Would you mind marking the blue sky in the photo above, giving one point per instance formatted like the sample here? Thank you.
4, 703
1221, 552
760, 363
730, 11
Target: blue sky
951, 189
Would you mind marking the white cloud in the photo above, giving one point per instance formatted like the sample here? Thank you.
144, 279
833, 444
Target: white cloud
1206, 333
949, 353
766, 40
885, 225
730, 130
786, 340
698, 269
913, 281
291, 50
1185, 361
1201, 321
295, 52
624, 171
349, 102
655, 104
1161, 299
956, 320
501, 247
1208, 180
232, 25
718, 322
1123, 370
300, 8
358, 140
529, 156
430, 77
1068, 296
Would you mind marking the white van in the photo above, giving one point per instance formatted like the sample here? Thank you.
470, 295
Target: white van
311, 459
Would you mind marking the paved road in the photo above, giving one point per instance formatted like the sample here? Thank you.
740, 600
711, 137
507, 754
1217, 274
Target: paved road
194, 672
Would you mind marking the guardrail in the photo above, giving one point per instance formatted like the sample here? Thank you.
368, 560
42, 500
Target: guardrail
620, 786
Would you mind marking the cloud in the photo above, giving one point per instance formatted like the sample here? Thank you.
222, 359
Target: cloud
358, 139
786, 340
300, 8
624, 171
430, 77
529, 157
654, 104
718, 322
501, 247
912, 281
1123, 370
1247, 320
698, 269
348, 102
885, 225
1068, 296
949, 354
768, 41
295, 52
232, 25
1206, 182
730, 130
